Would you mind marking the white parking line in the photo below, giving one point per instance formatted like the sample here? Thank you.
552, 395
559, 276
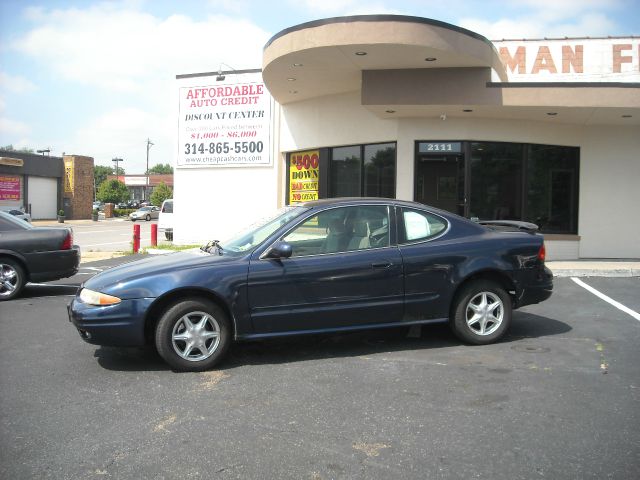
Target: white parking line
93, 231
609, 300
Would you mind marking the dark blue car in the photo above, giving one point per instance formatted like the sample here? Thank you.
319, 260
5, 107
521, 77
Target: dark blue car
323, 266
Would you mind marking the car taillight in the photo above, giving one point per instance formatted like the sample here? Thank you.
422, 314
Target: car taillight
68, 241
542, 253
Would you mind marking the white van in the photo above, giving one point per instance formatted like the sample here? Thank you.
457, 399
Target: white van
165, 219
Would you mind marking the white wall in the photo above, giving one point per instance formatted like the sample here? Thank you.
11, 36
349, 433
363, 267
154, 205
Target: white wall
609, 205
610, 193
214, 203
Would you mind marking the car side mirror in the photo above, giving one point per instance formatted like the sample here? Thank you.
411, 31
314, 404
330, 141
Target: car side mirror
280, 250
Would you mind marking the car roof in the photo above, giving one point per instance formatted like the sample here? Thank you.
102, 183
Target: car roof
370, 200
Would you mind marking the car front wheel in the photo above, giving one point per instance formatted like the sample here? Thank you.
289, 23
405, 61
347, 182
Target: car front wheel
147, 218
12, 279
193, 335
481, 313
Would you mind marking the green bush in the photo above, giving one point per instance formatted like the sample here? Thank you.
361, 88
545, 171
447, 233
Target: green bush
123, 212
113, 191
160, 194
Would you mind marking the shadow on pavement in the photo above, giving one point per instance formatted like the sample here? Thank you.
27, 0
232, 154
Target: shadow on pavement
323, 346
49, 290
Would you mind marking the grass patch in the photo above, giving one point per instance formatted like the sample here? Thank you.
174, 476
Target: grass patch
172, 247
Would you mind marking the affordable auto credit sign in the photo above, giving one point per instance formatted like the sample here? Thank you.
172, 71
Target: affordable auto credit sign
224, 124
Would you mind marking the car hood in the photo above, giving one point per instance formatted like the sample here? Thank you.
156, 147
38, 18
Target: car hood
133, 279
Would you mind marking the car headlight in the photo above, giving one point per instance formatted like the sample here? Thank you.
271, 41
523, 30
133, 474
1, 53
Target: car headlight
96, 298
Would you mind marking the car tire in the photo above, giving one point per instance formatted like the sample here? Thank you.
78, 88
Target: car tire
133, 219
148, 218
481, 313
168, 236
12, 278
199, 322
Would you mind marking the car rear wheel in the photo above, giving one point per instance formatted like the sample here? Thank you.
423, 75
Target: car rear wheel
168, 235
481, 313
12, 279
193, 335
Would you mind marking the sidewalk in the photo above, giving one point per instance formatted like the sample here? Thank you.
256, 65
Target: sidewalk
595, 268
54, 222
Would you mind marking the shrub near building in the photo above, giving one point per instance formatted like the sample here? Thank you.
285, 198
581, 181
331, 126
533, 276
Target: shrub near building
160, 194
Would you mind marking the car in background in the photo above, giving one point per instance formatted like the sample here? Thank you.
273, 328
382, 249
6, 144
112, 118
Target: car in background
33, 254
17, 213
324, 266
145, 213
165, 219
98, 205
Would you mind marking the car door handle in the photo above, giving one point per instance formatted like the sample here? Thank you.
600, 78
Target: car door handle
385, 264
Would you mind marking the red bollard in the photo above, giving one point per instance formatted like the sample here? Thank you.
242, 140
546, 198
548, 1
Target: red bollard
136, 238
154, 234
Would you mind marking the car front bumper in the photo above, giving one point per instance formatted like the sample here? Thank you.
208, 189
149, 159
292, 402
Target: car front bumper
120, 325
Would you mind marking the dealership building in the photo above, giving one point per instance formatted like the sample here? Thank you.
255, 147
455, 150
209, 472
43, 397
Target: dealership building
545, 130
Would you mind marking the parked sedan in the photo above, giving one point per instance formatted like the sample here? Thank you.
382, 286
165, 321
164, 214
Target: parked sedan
146, 213
33, 254
323, 266
17, 213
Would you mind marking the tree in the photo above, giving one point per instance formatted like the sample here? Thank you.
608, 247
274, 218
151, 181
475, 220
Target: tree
100, 173
10, 148
160, 194
113, 191
160, 168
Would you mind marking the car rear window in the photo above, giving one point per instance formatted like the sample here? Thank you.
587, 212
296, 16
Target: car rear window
417, 225
167, 207
9, 223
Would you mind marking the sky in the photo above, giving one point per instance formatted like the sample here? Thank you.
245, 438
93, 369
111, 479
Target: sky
97, 78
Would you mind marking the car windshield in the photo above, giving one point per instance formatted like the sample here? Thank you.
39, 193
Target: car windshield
145, 209
256, 233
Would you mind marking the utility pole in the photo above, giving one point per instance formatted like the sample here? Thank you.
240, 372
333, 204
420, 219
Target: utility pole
146, 188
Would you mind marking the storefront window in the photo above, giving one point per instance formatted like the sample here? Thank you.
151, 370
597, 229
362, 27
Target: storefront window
496, 181
380, 170
552, 188
345, 172
363, 170
502, 181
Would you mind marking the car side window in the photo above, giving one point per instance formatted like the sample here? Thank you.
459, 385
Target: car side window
341, 230
418, 225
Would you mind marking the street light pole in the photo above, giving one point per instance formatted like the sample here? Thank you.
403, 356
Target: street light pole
117, 161
146, 188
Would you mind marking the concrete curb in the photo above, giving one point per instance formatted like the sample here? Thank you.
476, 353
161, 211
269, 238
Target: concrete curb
595, 269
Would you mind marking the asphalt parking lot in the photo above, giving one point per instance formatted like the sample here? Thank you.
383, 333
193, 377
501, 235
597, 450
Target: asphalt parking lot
558, 398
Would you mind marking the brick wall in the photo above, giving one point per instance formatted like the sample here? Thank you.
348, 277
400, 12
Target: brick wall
81, 185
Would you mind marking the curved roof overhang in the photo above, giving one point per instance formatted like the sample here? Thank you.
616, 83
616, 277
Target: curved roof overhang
417, 67
327, 57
